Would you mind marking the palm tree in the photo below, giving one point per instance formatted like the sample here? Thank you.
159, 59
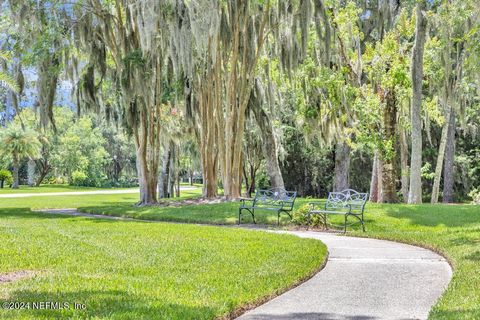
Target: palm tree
18, 144
6, 80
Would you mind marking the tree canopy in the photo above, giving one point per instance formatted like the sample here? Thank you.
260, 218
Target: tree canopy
308, 95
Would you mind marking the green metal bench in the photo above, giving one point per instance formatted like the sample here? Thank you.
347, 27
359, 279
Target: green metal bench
348, 203
275, 199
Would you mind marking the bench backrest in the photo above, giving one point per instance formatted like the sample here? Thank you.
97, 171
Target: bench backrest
275, 197
347, 198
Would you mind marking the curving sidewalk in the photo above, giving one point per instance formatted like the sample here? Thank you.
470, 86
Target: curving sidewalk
364, 279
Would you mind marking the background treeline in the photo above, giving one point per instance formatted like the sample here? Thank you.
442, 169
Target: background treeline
380, 96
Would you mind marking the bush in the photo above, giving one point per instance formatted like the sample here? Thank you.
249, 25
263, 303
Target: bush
475, 195
300, 217
56, 180
5, 178
78, 178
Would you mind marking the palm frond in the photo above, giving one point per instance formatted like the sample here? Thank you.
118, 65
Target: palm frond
7, 81
5, 55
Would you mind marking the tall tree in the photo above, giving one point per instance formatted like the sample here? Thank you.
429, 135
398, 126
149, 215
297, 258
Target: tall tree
448, 173
133, 37
415, 190
455, 26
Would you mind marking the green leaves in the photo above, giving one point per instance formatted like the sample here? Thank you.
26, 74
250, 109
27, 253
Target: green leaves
19, 143
6, 80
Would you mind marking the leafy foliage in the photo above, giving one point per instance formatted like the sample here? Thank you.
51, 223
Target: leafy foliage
5, 178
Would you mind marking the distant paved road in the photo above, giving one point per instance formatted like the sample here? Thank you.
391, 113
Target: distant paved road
79, 193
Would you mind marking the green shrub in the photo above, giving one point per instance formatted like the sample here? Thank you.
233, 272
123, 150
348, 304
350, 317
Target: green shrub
300, 217
475, 195
78, 178
5, 178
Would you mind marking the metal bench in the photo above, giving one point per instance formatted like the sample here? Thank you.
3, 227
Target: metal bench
349, 203
276, 199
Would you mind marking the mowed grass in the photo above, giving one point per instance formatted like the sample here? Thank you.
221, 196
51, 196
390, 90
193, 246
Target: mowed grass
141, 270
452, 230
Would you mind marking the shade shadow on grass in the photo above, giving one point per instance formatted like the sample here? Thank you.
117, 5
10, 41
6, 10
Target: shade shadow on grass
434, 215
111, 304
26, 213
221, 214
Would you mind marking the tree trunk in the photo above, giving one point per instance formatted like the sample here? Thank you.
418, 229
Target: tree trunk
208, 129
374, 179
376, 184
380, 180
448, 173
269, 143
177, 186
249, 178
440, 157
31, 172
171, 171
404, 164
147, 141
342, 167
251, 187
163, 178
389, 174
44, 169
415, 192
15, 183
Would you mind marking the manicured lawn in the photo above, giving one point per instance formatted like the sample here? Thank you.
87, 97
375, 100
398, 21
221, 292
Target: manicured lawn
452, 230
48, 188
141, 270
75, 201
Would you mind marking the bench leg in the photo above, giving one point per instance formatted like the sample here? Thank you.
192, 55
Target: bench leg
345, 225
278, 219
363, 223
239, 215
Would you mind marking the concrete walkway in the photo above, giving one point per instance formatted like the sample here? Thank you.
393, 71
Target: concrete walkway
363, 279
79, 193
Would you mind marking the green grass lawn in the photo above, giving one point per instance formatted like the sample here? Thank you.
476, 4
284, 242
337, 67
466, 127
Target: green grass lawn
452, 230
48, 188
140, 270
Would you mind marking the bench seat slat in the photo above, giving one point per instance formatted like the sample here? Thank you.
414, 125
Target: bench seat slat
329, 212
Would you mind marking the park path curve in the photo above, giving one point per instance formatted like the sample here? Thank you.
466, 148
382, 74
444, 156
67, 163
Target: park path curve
363, 279
79, 193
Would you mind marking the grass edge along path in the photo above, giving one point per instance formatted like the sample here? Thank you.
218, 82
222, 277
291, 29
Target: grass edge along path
125, 252
450, 230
